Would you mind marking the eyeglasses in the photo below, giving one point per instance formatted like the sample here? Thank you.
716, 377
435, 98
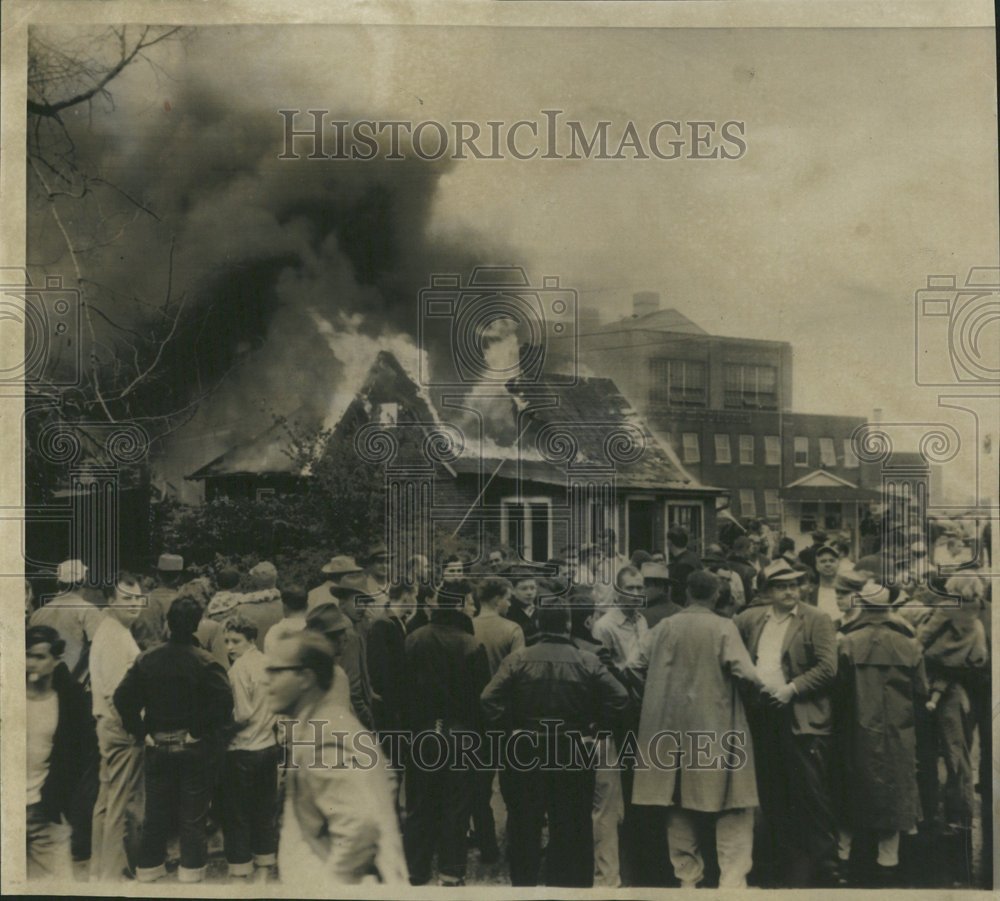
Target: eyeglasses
271, 670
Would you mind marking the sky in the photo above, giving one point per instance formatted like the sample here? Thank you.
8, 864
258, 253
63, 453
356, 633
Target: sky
870, 165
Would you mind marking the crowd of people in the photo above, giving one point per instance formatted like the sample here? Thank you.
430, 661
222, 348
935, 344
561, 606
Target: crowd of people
768, 714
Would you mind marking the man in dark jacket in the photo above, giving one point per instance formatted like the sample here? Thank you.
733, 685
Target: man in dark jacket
60, 744
187, 703
880, 680
807, 556
446, 672
683, 562
740, 563
794, 650
552, 681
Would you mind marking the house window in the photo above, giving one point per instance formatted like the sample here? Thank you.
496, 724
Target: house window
772, 450
750, 386
850, 458
772, 506
808, 519
827, 454
833, 516
746, 450
526, 527
723, 452
688, 517
677, 383
692, 452
748, 506
801, 451
264, 493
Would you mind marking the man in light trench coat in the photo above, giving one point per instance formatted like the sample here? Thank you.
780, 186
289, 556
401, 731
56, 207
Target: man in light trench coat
694, 742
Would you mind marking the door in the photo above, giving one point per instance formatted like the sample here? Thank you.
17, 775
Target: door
642, 526
688, 517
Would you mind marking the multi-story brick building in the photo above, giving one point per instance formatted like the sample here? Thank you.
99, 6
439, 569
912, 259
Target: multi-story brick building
725, 405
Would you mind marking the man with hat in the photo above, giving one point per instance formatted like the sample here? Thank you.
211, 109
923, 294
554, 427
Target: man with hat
73, 617
149, 628
794, 650
329, 619
880, 682
656, 585
338, 567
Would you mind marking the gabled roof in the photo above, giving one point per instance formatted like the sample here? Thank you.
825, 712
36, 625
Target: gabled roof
589, 410
821, 478
822, 485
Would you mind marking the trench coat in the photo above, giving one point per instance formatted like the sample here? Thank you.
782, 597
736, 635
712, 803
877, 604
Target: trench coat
880, 680
692, 663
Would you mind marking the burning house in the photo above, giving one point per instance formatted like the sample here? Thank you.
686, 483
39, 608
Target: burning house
535, 465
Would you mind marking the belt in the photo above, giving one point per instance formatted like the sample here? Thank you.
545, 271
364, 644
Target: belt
174, 741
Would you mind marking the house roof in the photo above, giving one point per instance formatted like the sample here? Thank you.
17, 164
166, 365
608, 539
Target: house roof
668, 320
821, 485
600, 423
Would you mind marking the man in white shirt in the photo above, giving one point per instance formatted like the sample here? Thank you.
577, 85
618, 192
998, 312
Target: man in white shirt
621, 629
250, 775
118, 811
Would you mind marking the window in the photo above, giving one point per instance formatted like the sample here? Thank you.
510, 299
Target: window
692, 452
802, 452
723, 452
525, 526
748, 507
850, 458
751, 386
772, 506
809, 517
827, 455
688, 517
678, 383
833, 516
772, 450
746, 450
264, 493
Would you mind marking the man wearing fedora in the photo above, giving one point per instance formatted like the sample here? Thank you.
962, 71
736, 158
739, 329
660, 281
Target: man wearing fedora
656, 585
331, 573
794, 650
149, 628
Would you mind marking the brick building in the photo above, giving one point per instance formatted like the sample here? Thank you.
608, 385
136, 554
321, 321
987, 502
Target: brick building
725, 407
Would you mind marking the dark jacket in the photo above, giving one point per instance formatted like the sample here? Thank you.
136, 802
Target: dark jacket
446, 672
74, 745
180, 687
681, 566
529, 625
554, 680
808, 659
658, 607
880, 680
386, 653
747, 573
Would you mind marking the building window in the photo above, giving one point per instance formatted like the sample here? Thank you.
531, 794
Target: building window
748, 506
801, 451
808, 519
751, 387
833, 516
772, 450
526, 527
746, 450
264, 493
723, 452
772, 506
850, 458
692, 452
678, 383
827, 454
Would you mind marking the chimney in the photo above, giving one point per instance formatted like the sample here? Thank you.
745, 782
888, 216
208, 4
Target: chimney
877, 415
645, 302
